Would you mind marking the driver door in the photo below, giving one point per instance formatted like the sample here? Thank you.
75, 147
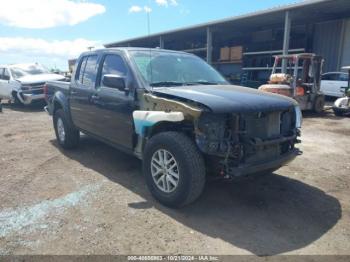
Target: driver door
114, 107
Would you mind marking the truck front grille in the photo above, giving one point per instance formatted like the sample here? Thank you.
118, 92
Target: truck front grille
263, 125
36, 88
260, 128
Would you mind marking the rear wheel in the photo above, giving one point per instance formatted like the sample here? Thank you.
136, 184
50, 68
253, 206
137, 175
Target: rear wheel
319, 104
67, 136
174, 169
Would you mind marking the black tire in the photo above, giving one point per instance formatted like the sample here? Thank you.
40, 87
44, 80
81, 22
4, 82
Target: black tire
72, 135
16, 101
338, 112
191, 168
319, 104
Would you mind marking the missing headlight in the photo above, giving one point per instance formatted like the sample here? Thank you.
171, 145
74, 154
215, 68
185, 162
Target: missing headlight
298, 117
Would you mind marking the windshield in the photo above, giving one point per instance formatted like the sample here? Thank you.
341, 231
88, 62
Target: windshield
23, 70
159, 68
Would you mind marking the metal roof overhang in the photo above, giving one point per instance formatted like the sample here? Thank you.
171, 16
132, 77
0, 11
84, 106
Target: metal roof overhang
312, 11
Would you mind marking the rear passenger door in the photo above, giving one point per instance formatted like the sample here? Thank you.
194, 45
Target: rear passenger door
82, 91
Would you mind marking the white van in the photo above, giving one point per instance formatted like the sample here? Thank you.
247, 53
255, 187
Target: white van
333, 82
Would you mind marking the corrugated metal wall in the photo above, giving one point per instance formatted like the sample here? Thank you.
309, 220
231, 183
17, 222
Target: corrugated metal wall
346, 45
327, 37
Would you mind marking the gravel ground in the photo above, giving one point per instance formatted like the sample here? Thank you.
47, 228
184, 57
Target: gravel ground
93, 200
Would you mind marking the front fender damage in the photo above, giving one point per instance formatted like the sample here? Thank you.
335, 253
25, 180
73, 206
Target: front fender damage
147, 119
155, 111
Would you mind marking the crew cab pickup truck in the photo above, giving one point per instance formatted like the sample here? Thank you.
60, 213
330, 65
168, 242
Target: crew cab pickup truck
175, 113
24, 83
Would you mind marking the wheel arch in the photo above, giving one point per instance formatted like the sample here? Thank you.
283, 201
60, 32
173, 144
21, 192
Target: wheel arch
147, 124
185, 127
60, 101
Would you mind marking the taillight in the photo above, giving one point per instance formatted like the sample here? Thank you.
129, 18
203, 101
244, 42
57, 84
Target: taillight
46, 92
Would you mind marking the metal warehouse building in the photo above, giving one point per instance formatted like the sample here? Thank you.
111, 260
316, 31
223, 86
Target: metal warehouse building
242, 47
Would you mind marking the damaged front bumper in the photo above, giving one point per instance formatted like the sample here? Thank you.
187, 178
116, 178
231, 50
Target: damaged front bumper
247, 169
237, 145
28, 97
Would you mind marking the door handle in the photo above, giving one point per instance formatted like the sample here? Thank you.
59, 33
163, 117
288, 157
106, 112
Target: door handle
95, 97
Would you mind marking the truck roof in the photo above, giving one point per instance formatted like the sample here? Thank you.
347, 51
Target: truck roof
126, 49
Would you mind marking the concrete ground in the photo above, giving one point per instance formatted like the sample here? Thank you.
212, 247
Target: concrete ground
93, 200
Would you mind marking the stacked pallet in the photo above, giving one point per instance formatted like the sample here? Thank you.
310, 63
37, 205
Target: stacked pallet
231, 54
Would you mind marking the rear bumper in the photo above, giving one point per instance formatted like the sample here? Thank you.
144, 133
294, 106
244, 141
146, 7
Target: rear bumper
48, 110
248, 169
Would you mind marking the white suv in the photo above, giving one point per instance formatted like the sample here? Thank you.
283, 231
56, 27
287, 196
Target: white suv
333, 83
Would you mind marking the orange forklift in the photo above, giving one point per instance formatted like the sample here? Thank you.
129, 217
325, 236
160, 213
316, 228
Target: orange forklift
298, 76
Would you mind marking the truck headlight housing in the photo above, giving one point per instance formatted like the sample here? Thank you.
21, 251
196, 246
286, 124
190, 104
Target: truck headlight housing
26, 87
298, 117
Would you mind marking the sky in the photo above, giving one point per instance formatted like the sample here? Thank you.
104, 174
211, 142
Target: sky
52, 31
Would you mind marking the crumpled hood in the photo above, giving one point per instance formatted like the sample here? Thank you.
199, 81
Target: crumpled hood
229, 98
32, 79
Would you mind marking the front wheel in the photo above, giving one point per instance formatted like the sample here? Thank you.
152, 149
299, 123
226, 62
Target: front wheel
67, 136
338, 112
319, 104
16, 100
174, 169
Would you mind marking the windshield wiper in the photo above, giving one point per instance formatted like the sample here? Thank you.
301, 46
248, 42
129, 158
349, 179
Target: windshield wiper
201, 83
166, 83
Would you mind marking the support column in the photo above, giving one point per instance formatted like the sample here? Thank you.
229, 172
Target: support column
161, 42
209, 45
341, 45
286, 38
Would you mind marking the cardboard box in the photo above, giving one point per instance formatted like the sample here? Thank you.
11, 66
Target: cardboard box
225, 54
236, 53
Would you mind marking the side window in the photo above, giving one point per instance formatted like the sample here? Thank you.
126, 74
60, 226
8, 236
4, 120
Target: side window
6, 75
327, 77
113, 65
80, 73
90, 71
344, 77
331, 77
1, 73
86, 74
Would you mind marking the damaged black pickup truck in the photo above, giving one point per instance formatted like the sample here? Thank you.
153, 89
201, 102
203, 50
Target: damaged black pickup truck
177, 114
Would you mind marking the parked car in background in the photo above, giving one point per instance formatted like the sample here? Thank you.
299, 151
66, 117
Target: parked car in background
333, 83
23, 83
342, 105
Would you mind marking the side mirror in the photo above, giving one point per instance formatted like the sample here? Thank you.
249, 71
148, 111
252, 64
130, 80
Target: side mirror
114, 81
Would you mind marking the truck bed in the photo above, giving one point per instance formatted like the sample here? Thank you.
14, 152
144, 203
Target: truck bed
55, 87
